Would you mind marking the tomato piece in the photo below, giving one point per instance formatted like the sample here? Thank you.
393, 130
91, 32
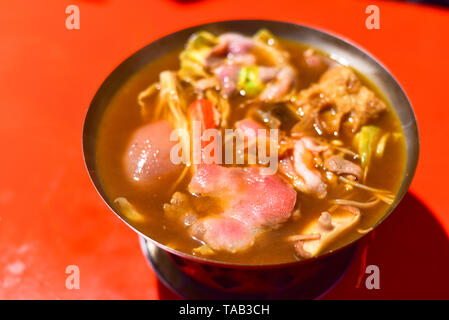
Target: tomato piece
202, 110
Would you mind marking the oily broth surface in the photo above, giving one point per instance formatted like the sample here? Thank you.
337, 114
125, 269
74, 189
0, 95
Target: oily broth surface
122, 117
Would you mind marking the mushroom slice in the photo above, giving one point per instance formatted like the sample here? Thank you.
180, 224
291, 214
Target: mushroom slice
330, 227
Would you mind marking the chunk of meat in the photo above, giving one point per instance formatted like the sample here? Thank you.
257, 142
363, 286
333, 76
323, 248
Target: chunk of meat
268, 73
304, 167
246, 59
249, 127
224, 233
233, 43
252, 196
180, 209
147, 157
278, 88
341, 90
232, 49
212, 62
228, 76
314, 145
254, 200
313, 60
339, 165
286, 167
329, 226
250, 130
300, 167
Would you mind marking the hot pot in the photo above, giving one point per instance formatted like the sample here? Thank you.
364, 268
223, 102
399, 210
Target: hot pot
194, 277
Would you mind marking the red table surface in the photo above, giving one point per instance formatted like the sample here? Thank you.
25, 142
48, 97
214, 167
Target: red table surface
50, 214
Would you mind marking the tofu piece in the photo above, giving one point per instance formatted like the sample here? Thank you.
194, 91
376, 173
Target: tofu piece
330, 226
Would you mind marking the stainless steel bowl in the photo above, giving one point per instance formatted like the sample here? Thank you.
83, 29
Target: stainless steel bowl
340, 49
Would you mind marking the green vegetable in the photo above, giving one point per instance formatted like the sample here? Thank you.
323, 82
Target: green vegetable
266, 37
192, 57
249, 81
366, 142
202, 39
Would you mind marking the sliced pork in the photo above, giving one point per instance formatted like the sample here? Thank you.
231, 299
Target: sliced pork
233, 43
224, 233
231, 49
339, 165
250, 130
299, 166
253, 200
314, 145
304, 167
227, 75
268, 73
283, 83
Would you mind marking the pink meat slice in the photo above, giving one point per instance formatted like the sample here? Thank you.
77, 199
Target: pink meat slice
233, 43
267, 73
339, 165
253, 202
232, 49
147, 156
285, 79
299, 167
303, 164
313, 145
228, 76
250, 129
224, 233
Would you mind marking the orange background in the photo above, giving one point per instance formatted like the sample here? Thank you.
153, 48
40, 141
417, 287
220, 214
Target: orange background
50, 214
